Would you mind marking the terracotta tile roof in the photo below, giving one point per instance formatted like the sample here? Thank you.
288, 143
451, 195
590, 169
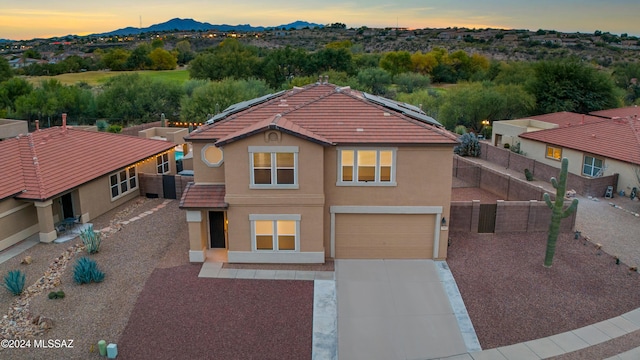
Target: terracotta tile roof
625, 112
614, 139
54, 160
566, 118
202, 196
325, 112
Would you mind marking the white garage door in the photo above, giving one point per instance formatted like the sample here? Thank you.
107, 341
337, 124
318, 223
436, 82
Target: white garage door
384, 236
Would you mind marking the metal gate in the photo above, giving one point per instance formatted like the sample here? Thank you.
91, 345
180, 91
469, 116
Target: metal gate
168, 186
487, 218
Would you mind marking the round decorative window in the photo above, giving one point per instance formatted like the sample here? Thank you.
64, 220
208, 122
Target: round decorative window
212, 155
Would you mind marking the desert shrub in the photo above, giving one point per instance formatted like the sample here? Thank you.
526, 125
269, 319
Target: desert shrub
486, 132
86, 270
116, 129
14, 282
528, 175
506, 145
460, 130
516, 149
56, 295
91, 240
469, 145
102, 125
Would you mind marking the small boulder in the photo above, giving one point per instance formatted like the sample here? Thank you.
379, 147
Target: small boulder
26, 260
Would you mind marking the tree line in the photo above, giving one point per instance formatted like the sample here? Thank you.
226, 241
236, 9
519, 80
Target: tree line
234, 71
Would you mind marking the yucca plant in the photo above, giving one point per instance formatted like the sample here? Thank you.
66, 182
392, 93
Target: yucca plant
86, 270
91, 240
14, 281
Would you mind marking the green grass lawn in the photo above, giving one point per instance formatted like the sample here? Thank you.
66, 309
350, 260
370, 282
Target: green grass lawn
94, 78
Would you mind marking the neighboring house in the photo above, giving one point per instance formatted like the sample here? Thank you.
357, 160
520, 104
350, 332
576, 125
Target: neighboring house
319, 172
61, 173
599, 144
10, 128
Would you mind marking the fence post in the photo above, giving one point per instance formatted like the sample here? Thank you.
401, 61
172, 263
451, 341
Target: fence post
475, 215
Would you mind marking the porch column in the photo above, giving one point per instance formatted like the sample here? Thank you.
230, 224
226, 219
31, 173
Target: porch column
45, 221
197, 236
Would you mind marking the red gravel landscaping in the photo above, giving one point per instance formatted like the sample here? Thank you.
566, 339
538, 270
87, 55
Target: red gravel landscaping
181, 316
511, 297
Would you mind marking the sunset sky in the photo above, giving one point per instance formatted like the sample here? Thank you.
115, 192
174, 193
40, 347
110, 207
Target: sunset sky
28, 19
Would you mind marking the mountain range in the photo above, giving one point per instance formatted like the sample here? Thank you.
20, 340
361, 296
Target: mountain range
193, 25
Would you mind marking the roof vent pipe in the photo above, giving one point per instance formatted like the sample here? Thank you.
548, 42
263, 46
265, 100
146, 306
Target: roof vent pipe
37, 125
326, 79
64, 121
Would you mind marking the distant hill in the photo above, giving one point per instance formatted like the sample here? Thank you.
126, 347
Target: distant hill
193, 25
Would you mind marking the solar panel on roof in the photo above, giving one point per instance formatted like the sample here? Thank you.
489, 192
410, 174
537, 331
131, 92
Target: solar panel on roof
404, 108
243, 105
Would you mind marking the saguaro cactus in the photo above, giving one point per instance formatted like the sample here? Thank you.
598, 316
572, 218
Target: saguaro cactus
558, 211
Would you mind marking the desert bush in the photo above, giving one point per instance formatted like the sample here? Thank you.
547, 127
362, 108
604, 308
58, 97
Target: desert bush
460, 130
469, 145
86, 270
528, 175
91, 240
56, 295
102, 125
116, 129
14, 282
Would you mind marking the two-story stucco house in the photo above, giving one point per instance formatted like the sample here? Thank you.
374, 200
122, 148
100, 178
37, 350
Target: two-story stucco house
319, 172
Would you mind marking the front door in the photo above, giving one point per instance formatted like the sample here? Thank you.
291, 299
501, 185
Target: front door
67, 206
216, 229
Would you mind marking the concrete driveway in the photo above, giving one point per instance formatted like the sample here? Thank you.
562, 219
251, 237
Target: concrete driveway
399, 309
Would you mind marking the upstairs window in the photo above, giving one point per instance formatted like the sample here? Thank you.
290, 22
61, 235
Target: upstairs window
366, 167
274, 167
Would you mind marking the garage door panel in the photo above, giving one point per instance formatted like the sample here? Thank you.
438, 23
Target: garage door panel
388, 236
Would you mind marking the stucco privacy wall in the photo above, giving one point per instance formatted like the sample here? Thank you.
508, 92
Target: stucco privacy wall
511, 216
547, 168
18, 220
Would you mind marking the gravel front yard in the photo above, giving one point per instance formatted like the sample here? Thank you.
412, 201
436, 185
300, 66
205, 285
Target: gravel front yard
512, 298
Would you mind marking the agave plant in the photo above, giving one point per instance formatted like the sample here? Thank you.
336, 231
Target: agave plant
91, 240
14, 282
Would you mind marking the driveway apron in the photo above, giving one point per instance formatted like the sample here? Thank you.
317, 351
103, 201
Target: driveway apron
394, 309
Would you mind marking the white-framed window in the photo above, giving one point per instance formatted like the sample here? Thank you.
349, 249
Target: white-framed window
592, 166
162, 162
275, 233
554, 152
376, 167
123, 182
273, 167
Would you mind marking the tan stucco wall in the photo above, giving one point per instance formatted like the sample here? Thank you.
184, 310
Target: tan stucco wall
510, 129
626, 180
307, 200
95, 198
18, 220
203, 173
423, 177
239, 230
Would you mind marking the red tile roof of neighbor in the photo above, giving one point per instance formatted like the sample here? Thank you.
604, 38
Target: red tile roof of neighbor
330, 115
565, 118
611, 138
625, 112
47, 162
203, 196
